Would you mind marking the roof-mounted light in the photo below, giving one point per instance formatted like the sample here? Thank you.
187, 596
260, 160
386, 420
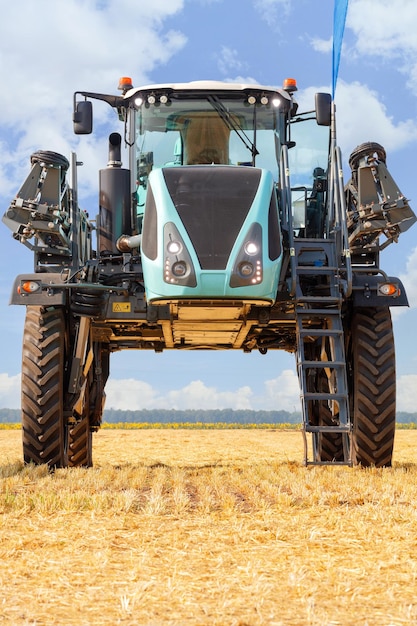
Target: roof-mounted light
157, 99
289, 84
258, 98
125, 83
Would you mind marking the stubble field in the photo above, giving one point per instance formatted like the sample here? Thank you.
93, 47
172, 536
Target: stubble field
207, 527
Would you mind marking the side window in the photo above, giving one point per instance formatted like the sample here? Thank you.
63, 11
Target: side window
156, 149
308, 161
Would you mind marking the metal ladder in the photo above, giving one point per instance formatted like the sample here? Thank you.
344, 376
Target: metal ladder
319, 324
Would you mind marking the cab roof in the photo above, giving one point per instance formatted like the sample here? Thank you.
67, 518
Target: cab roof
209, 86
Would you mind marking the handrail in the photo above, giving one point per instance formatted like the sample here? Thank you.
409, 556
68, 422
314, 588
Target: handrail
341, 215
75, 216
287, 212
337, 218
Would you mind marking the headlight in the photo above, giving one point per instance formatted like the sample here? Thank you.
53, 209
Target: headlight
179, 269
251, 248
245, 269
178, 266
174, 247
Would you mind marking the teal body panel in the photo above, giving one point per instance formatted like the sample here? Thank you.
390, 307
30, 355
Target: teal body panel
212, 283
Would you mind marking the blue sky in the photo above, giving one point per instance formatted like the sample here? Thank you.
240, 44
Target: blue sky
59, 48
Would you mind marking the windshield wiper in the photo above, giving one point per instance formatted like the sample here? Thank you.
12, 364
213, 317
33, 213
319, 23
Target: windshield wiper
232, 124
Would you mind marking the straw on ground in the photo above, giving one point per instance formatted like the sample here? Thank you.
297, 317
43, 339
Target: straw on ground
180, 527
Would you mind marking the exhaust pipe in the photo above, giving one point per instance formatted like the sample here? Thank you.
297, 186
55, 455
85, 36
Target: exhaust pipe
114, 219
126, 243
115, 158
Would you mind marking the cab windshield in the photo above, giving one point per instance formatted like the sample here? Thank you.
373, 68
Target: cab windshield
209, 129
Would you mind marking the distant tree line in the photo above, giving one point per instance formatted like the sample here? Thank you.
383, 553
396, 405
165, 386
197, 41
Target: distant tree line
226, 416
9, 416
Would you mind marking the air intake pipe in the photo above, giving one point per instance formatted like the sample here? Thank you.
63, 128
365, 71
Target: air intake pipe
114, 219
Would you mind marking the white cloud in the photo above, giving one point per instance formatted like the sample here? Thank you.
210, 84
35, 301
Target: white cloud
322, 45
135, 395
386, 30
362, 116
406, 393
383, 31
62, 47
272, 11
130, 394
198, 395
9, 391
410, 279
281, 393
242, 80
229, 61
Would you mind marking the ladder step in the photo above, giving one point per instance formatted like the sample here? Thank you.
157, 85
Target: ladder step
321, 395
320, 332
328, 429
324, 395
314, 269
322, 364
313, 244
329, 299
322, 311
326, 312
348, 463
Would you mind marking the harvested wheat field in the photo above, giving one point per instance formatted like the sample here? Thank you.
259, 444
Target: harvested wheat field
208, 527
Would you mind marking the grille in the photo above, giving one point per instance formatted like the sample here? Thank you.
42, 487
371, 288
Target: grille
212, 203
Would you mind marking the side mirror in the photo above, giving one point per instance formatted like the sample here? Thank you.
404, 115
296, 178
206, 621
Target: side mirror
83, 117
323, 109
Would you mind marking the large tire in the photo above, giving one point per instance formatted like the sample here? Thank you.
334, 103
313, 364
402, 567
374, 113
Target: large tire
43, 360
80, 444
372, 388
328, 446
80, 438
80, 434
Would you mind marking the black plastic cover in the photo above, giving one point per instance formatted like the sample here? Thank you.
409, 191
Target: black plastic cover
212, 202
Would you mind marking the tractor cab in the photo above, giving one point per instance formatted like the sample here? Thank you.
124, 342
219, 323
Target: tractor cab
208, 123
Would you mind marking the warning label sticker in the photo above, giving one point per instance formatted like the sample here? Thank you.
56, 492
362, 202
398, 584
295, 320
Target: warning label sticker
121, 307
